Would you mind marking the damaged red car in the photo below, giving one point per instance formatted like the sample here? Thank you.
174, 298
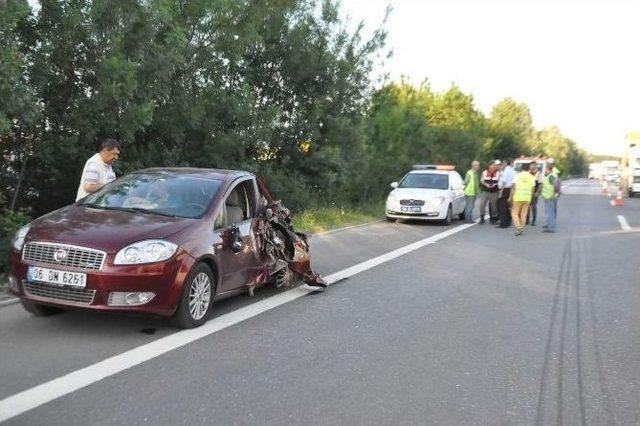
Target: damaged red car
165, 241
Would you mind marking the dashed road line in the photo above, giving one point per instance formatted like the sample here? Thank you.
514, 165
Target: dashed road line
623, 223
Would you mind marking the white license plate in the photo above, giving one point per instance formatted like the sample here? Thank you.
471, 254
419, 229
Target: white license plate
54, 276
410, 209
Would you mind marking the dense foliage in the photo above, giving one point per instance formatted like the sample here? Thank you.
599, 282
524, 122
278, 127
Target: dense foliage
282, 88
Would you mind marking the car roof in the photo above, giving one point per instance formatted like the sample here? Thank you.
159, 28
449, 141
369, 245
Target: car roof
217, 174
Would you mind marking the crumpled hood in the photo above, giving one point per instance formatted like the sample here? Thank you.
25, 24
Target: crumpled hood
108, 230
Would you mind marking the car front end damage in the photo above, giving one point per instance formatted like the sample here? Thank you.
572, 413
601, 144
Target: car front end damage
287, 252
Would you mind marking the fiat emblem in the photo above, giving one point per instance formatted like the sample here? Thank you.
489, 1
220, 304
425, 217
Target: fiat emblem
60, 255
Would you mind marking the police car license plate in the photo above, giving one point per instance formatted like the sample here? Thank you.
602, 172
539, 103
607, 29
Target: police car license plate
56, 277
410, 209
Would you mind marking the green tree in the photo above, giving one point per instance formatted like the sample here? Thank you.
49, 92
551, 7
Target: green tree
509, 129
19, 109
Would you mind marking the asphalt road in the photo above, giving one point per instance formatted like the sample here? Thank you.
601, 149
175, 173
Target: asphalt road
481, 327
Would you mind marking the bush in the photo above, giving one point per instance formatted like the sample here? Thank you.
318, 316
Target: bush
10, 222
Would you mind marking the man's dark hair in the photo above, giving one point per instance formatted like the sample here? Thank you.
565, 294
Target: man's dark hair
509, 161
109, 144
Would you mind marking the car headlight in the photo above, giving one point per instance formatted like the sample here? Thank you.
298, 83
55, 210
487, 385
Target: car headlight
391, 199
147, 251
18, 240
436, 201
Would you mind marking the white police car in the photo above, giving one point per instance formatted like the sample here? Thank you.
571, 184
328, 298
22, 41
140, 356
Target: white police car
428, 192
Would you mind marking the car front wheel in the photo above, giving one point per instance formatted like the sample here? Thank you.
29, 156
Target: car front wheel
197, 298
449, 219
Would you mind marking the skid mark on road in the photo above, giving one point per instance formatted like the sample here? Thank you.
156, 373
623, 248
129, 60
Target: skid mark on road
572, 384
544, 385
607, 407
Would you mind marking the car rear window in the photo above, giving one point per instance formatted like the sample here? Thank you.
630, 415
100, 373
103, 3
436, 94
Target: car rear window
157, 193
425, 180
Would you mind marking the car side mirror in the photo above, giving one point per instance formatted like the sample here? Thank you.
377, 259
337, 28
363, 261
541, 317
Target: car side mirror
234, 238
394, 185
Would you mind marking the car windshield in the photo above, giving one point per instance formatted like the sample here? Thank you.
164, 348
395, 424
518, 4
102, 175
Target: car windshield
156, 193
425, 180
518, 165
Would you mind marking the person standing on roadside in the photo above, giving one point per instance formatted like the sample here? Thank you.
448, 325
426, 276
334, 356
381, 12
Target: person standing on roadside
533, 208
552, 165
471, 190
505, 183
521, 195
97, 170
489, 191
550, 192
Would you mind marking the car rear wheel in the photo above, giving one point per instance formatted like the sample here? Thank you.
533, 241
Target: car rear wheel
197, 298
40, 310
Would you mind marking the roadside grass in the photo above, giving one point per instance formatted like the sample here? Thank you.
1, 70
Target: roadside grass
316, 220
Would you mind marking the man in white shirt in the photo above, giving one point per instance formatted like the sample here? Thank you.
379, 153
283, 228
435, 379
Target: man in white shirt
97, 170
504, 184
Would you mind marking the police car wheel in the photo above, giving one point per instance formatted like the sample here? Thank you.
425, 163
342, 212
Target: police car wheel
449, 218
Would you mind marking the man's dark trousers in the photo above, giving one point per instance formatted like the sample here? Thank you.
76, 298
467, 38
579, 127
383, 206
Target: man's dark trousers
503, 208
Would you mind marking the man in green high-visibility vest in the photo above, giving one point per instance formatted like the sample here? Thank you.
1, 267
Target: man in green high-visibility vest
521, 195
549, 192
471, 190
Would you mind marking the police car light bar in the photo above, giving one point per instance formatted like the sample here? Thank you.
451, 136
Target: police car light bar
433, 167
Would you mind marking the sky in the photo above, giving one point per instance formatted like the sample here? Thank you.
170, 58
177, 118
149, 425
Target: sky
575, 63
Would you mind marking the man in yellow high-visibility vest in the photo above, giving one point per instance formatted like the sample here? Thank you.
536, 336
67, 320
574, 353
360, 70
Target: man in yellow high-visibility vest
521, 194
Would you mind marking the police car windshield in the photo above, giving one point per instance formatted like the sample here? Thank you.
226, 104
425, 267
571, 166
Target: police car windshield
517, 167
425, 180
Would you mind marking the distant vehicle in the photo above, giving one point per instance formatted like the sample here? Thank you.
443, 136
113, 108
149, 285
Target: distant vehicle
631, 163
595, 171
159, 241
610, 171
428, 192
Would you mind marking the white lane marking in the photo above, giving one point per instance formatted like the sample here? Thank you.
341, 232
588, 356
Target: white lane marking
34, 397
9, 302
623, 223
344, 228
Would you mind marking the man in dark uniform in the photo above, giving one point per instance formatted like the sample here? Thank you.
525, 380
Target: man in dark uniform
505, 182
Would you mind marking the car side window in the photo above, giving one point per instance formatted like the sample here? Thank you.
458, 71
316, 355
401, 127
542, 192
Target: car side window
241, 203
221, 219
456, 180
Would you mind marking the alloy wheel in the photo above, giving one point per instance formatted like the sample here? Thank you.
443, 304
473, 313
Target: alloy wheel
199, 296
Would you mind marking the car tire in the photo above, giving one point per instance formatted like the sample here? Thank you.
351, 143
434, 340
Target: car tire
449, 219
196, 302
389, 219
285, 278
39, 310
